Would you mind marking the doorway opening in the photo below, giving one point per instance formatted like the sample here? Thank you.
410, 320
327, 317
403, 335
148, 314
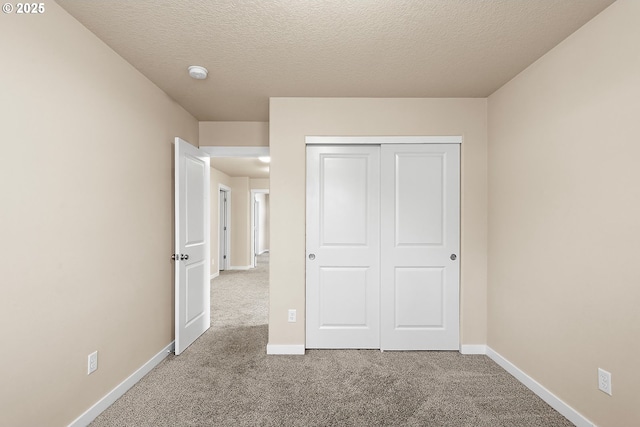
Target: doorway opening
240, 226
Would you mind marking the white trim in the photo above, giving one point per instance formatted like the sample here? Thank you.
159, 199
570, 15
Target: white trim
297, 349
240, 267
253, 248
555, 402
224, 264
473, 349
230, 151
214, 275
102, 404
375, 140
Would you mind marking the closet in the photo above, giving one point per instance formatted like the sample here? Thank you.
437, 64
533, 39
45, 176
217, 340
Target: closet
382, 243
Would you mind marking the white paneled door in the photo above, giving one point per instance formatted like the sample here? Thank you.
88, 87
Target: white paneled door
420, 242
343, 250
192, 304
382, 246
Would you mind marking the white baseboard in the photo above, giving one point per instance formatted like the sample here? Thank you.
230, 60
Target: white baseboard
214, 275
473, 349
102, 404
240, 267
556, 403
297, 349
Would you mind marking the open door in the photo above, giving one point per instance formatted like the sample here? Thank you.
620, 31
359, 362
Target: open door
192, 251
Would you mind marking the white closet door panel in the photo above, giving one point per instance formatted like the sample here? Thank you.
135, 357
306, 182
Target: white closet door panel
418, 297
343, 250
343, 219
419, 199
420, 215
343, 297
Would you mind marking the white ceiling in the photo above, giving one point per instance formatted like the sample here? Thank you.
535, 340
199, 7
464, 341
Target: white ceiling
256, 49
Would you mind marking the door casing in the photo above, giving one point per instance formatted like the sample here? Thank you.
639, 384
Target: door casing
224, 226
254, 226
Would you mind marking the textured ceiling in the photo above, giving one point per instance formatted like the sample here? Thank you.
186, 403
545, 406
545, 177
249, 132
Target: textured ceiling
255, 49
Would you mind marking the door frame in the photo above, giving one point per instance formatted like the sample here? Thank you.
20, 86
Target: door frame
223, 263
379, 140
254, 243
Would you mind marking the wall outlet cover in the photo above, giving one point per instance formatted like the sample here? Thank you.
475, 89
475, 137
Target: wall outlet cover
604, 381
92, 362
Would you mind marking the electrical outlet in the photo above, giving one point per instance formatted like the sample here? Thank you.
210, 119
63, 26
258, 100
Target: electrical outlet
604, 381
92, 362
292, 315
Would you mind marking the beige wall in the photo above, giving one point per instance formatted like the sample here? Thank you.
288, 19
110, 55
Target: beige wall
234, 133
216, 178
565, 218
86, 229
291, 119
259, 183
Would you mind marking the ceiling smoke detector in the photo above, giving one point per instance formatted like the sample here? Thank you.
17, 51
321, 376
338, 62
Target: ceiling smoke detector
197, 72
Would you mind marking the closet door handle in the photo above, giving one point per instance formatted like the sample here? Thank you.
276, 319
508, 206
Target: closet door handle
312, 256
453, 257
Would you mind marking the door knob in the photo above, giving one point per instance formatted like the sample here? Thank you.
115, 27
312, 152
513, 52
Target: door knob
184, 257
174, 257
453, 257
312, 256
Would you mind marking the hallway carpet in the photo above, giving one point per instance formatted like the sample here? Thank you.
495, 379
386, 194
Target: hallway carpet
226, 379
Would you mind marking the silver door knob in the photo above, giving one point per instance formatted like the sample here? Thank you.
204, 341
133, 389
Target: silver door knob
184, 257
312, 256
174, 257
453, 257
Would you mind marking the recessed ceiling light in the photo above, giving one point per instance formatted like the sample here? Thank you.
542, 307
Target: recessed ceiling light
264, 159
198, 72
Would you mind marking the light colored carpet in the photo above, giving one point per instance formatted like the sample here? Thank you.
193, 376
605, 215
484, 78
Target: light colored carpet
226, 379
